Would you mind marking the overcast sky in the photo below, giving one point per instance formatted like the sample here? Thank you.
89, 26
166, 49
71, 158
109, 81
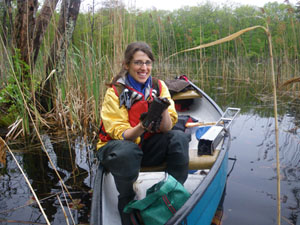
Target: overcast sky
175, 4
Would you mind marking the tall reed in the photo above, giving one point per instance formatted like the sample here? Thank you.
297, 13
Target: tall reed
101, 37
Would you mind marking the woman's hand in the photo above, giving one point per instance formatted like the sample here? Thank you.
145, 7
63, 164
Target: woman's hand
134, 133
166, 122
164, 126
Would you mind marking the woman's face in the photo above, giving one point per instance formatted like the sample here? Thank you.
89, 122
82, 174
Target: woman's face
140, 67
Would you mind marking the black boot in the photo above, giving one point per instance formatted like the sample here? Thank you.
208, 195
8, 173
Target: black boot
179, 172
125, 217
126, 194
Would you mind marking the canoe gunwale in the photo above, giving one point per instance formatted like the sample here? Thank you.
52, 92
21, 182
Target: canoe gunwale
95, 217
186, 209
182, 214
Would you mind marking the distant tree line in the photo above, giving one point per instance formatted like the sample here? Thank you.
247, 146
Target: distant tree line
169, 31
111, 26
49, 47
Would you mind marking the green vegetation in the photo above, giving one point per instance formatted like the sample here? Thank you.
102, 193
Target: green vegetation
11, 97
100, 37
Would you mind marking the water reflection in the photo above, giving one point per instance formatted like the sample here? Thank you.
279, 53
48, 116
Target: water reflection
74, 165
251, 188
43, 179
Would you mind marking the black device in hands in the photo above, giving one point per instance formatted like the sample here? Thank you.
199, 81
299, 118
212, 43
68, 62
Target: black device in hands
156, 108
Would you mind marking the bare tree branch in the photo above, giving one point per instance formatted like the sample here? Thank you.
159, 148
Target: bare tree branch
42, 22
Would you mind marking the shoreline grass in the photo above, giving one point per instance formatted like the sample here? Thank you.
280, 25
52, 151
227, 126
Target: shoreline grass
100, 38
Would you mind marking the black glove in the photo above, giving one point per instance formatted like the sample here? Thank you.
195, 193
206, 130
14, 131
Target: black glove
156, 124
153, 115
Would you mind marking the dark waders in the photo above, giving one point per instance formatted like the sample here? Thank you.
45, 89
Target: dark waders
124, 159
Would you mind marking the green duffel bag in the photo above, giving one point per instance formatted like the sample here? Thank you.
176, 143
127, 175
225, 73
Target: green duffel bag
160, 204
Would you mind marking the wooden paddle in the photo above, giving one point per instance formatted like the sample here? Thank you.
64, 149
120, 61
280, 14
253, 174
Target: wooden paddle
197, 124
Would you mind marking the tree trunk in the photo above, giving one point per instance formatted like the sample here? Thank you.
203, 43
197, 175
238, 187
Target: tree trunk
29, 31
41, 25
24, 27
59, 37
28, 35
66, 25
56, 61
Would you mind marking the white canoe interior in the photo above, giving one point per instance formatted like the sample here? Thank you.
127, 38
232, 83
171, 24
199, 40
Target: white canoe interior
201, 109
145, 180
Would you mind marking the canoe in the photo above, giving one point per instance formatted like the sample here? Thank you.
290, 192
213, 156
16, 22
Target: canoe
207, 177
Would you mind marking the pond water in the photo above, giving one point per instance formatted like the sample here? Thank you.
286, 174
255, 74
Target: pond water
251, 194
251, 187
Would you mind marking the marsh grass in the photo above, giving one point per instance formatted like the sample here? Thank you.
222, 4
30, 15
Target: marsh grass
96, 57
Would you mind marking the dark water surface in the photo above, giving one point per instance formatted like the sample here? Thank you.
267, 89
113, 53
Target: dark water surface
75, 166
251, 195
251, 187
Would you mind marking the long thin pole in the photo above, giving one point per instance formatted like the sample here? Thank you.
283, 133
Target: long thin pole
229, 38
276, 128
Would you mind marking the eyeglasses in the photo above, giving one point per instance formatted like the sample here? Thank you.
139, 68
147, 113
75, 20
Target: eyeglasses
140, 63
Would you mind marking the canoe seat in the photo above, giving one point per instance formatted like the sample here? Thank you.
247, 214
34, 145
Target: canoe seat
190, 94
196, 162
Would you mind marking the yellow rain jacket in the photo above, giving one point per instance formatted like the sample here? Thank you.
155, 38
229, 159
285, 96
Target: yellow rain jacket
116, 120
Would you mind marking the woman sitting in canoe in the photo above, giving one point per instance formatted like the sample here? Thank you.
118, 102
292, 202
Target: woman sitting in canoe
137, 117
